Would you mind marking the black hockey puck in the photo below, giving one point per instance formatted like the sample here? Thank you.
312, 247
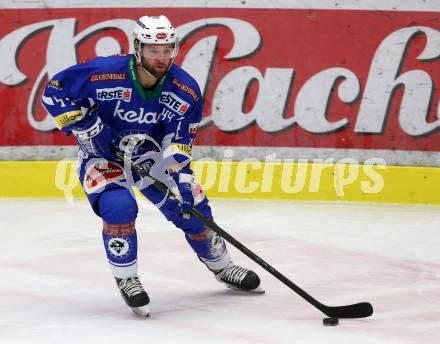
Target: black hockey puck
330, 321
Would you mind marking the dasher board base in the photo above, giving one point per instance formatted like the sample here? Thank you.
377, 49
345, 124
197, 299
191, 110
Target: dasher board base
250, 179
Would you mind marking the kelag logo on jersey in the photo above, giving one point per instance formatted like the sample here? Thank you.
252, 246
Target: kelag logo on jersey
172, 101
114, 93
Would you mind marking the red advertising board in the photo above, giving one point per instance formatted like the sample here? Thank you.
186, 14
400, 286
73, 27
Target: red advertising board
270, 77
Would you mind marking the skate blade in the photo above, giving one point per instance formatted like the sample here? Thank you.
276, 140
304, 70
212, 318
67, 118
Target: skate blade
257, 290
141, 311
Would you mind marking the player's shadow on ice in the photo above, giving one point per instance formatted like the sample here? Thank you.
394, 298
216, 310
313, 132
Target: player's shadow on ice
200, 301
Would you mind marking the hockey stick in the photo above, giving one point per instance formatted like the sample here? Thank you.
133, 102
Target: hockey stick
358, 310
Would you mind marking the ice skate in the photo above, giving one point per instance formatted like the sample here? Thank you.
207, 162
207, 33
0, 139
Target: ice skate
134, 295
238, 278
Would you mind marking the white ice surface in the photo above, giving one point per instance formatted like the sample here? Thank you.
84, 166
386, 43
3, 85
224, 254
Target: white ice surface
56, 286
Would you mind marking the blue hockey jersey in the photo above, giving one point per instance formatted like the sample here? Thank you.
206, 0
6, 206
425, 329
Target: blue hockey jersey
165, 118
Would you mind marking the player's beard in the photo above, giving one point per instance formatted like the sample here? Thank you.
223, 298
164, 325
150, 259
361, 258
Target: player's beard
157, 70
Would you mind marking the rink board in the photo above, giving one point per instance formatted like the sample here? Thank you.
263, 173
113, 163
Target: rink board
250, 179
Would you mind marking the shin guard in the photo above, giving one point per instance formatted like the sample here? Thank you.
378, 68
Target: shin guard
120, 242
210, 248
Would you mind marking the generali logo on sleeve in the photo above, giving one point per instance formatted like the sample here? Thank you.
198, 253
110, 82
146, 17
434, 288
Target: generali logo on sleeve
307, 78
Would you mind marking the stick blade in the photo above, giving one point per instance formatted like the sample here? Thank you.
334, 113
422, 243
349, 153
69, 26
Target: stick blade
358, 310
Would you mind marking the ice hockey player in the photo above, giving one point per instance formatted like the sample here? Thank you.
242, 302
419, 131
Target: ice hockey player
140, 103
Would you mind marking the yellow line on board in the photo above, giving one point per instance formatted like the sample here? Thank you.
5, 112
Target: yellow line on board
250, 179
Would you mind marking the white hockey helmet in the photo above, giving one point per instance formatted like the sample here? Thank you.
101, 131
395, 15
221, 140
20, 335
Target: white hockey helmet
154, 30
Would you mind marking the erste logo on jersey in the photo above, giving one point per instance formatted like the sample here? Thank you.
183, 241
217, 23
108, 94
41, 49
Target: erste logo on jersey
114, 93
173, 102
